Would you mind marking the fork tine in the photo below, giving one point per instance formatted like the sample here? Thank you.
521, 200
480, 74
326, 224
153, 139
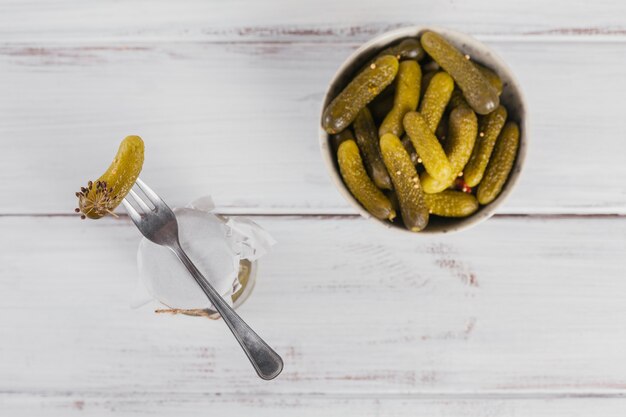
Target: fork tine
140, 202
152, 196
134, 215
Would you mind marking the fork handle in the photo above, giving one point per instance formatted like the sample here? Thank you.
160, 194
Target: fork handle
267, 363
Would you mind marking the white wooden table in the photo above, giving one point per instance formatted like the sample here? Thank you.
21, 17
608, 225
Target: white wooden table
524, 315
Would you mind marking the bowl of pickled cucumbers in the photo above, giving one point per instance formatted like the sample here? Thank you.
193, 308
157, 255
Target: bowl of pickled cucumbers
424, 130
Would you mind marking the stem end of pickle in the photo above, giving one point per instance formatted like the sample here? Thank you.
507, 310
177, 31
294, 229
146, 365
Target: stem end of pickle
102, 196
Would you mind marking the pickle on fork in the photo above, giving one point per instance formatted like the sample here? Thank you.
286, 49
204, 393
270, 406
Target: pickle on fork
102, 196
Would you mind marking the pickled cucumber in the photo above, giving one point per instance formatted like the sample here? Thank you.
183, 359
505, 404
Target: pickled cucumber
431, 66
427, 146
406, 183
436, 99
490, 127
408, 83
463, 128
500, 164
457, 99
409, 48
339, 138
491, 76
359, 184
426, 78
367, 140
451, 203
104, 195
391, 195
382, 104
406, 141
358, 93
442, 129
478, 91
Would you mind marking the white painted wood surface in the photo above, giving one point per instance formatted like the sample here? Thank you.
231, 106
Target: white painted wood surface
313, 406
495, 310
308, 20
521, 316
240, 122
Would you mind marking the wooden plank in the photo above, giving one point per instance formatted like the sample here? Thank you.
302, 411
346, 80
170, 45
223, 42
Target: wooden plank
514, 307
279, 20
305, 406
240, 122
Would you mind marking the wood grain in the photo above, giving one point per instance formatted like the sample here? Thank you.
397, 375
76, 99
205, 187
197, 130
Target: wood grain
515, 308
308, 21
78, 404
521, 316
240, 122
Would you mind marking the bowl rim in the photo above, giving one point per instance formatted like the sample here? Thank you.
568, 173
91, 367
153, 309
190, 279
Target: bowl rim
501, 67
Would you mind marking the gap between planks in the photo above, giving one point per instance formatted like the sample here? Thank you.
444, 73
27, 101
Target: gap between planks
434, 396
521, 38
331, 215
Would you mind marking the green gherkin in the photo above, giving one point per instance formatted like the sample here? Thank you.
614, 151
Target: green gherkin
358, 93
490, 128
104, 195
500, 164
406, 183
462, 132
359, 184
408, 83
367, 140
409, 48
427, 146
436, 99
382, 104
451, 203
457, 100
491, 76
478, 91
406, 141
339, 138
426, 78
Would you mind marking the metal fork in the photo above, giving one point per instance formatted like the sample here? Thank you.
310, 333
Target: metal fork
159, 225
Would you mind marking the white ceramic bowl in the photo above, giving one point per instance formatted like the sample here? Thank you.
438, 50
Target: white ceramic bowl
512, 98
